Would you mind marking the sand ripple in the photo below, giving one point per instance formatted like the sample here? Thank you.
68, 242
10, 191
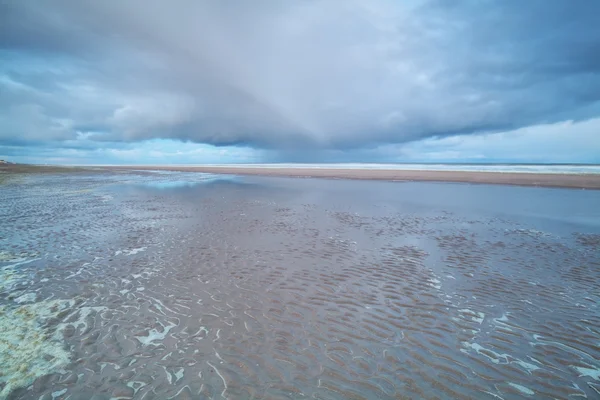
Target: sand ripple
234, 291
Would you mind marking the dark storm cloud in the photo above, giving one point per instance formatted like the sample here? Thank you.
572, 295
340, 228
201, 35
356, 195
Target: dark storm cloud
292, 75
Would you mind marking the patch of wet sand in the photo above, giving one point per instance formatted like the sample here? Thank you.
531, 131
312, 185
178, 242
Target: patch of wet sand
576, 181
241, 291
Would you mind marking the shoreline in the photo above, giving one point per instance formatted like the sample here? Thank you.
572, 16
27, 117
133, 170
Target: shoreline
552, 180
531, 179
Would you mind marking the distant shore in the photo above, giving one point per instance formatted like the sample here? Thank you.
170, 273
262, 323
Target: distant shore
551, 180
573, 181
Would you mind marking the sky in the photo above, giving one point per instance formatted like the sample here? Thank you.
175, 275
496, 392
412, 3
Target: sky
198, 81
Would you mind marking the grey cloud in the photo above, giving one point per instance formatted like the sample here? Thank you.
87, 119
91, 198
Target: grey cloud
295, 75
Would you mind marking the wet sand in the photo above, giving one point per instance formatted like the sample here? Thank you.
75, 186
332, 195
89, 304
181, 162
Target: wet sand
38, 169
572, 181
12, 172
575, 181
168, 285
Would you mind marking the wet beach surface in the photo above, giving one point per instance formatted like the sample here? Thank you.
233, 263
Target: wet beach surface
159, 285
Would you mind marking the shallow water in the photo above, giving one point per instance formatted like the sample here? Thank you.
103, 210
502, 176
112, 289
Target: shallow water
157, 286
517, 168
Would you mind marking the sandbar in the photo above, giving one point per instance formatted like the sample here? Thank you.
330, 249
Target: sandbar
573, 181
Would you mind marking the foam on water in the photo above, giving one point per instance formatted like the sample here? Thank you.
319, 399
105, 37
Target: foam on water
526, 366
26, 298
30, 347
130, 252
154, 335
28, 350
6, 256
494, 357
10, 276
522, 389
593, 373
58, 393
473, 315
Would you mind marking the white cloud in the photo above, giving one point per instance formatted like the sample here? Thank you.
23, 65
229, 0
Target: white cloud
567, 141
160, 111
315, 77
85, 151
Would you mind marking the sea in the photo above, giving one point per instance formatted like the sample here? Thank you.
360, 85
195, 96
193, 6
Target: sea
487, 167
178, 285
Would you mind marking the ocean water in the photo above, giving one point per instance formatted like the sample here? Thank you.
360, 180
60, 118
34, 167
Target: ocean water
185, 286
519, 168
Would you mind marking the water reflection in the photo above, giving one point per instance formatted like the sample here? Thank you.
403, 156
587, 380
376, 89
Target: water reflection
171, 184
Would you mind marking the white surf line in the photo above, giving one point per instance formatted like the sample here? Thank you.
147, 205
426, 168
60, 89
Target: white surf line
218, 337
221, 376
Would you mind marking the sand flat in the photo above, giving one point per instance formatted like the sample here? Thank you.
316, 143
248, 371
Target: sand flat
575, 181
129, 284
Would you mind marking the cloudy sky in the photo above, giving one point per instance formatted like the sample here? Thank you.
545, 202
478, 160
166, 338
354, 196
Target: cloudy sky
198, 81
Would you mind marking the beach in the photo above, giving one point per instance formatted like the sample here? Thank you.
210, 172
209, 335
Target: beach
567, 180
294, 200
122, 283
574, 181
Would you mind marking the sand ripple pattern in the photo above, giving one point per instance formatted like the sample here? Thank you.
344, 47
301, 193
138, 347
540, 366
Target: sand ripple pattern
245, 291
